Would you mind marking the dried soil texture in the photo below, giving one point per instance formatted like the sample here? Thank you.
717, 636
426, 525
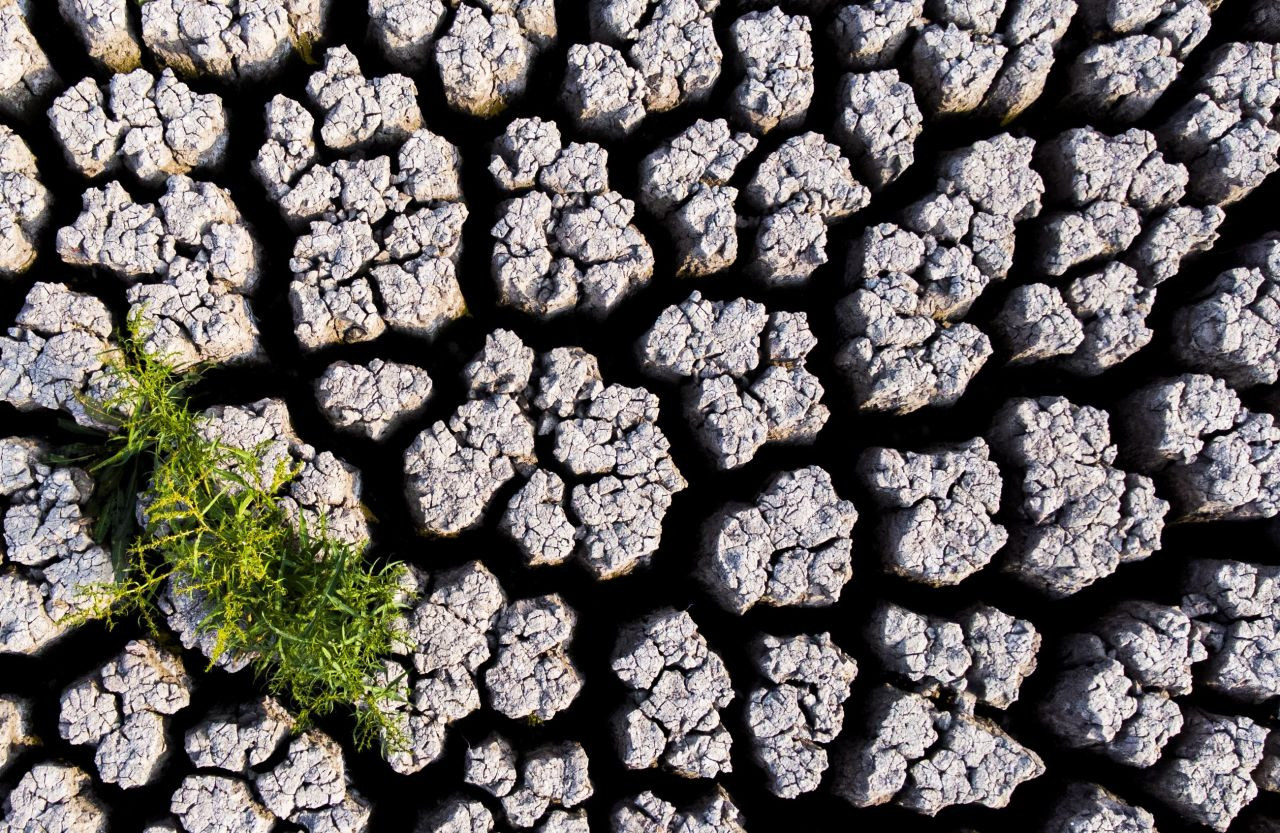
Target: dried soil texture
796, 414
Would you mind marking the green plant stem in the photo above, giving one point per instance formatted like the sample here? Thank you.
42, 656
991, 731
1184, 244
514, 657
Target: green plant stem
316, 619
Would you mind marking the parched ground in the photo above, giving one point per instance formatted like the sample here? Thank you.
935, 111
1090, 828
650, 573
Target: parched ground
797, 415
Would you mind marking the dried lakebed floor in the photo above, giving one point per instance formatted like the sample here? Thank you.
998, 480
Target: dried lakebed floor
816, 413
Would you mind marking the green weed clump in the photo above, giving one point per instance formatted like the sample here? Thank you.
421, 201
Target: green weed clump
315, 618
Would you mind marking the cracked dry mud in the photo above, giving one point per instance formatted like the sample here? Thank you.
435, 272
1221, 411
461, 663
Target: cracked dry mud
796, 414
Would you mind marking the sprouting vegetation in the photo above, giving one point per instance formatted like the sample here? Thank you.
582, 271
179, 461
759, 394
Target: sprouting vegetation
315, 618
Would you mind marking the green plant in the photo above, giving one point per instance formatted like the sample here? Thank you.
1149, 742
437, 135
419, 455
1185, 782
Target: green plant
315, 618
305, 44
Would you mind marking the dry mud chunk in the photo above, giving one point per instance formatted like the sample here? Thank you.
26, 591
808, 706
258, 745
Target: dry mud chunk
384, 235
446, 643
685, 182
1097, 321
491, 766
678, 687
219, 804
1112, 307
526, 146
28, 78
404, 30
1167, 422
798, 709
156, 127
926, 759
604, 438
1206, 774
1267, 775
1156, 644
602, 254
570, 244
670, 42
122, 710
185, 608
1032, 32
927, 651
868, 35
24, 204
15, 730
701, 339
1120, 80
228, 39
705, 231
1083, 165
331, 305
54, 798
878, 124
1095, 703
1113, 195
647, 813
372, 399
604, 95
987, 651
936, 510
991, 58
195, 317
310, 787
898, 353
954, 67
290, 147
531, 673
1221, 459
1140, 52
1101, 230
52, 558
1178, 232
897, 358
793, 547
975, 763
240, 738
195, 305
458, 815
105, 29
1233, 330
1003, 650
1035, 324
453, 469
43, 521
899, 728
485, 56
1076, 518
1088, 808
323, 485
1235, 606
359, 111
1114, 692
996, 176
620, 514
537, 521
504, 366
746, 380
613, 522
799, 188
1226, 133
56, 355
532, 788
775, 54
